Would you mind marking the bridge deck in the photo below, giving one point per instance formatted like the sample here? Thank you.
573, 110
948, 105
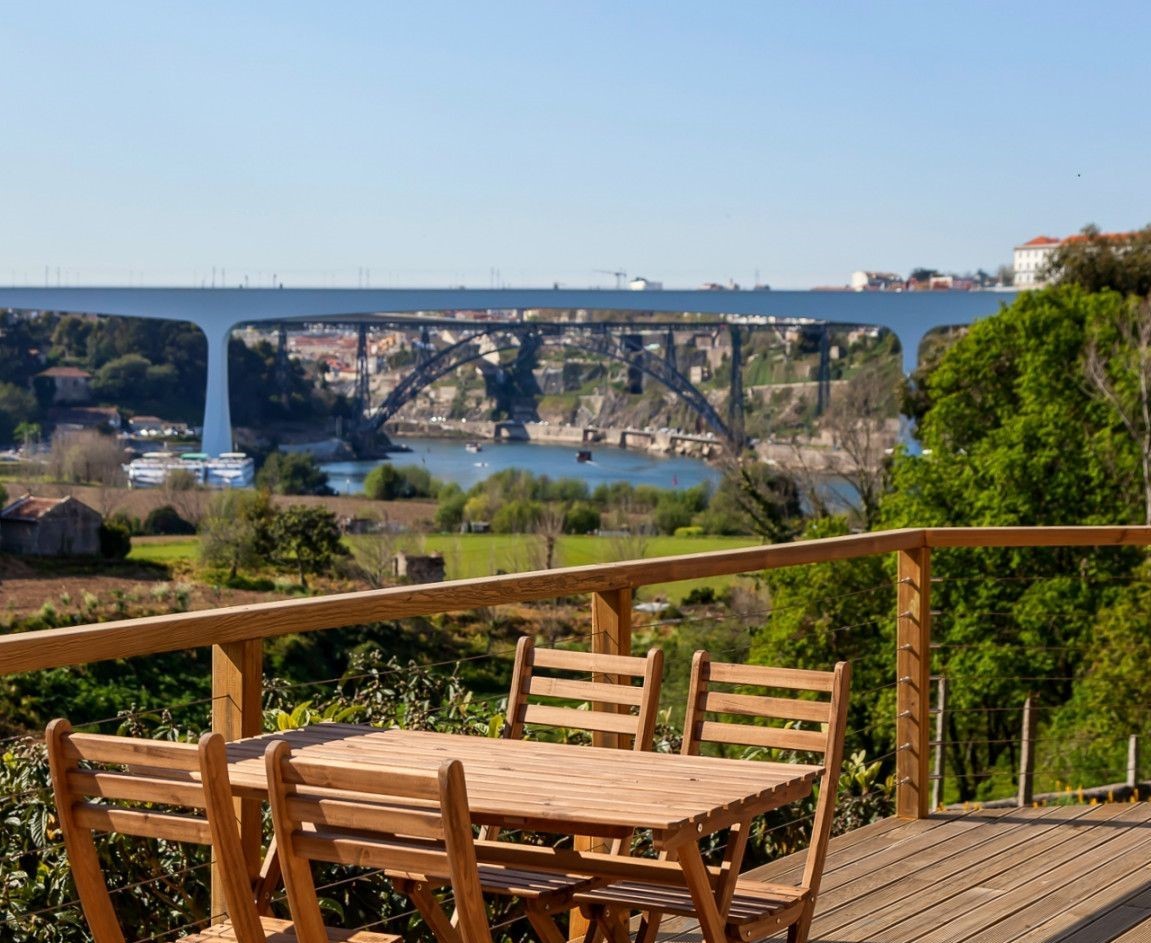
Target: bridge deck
1064, 873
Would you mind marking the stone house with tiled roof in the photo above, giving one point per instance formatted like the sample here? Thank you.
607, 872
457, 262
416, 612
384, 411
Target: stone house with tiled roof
69, 384
50, 527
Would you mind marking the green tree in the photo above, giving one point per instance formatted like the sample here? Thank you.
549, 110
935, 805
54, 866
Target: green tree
518, 516
829, 612
1096, 261
292, 473
450, 510
1012, 435
386, 482
17, 407
581, 518
236, 532
1111, 699
306, 538
115, 540
754, 498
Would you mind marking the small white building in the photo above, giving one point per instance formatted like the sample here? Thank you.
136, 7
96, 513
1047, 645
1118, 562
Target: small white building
1030, 259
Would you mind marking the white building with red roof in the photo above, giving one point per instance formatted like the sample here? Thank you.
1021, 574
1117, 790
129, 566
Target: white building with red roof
1030, 259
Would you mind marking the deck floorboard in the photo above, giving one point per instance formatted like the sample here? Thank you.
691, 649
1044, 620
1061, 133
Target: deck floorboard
1064, 874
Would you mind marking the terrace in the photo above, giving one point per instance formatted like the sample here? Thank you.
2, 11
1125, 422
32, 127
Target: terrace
1027, 871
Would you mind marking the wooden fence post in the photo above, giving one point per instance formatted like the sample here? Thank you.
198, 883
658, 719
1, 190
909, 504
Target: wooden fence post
940, 733
610, 635
237, 690
913, 671
1027, 757
1133, 761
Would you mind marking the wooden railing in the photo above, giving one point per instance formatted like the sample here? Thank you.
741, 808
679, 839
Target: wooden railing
236, 633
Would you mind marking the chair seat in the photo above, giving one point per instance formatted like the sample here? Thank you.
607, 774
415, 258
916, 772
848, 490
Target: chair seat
282, 931
553, 890
753, 905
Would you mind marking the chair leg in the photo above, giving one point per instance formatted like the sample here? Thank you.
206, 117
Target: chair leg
425, 902
798, 931
595, 927
544, 926
615, 925
649, 927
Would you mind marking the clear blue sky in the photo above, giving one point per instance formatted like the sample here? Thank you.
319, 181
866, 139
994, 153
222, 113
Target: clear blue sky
434, 142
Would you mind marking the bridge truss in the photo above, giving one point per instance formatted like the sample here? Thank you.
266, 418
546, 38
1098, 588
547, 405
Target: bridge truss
619, 341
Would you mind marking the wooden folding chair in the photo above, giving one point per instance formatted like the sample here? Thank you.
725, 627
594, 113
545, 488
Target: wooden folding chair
775, 718
414, 825
613, 703
140, 785
545, 682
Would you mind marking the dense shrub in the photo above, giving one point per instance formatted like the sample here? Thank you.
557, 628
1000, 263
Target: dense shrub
293, 473
166, 520
115, 540
386, 482
581, 519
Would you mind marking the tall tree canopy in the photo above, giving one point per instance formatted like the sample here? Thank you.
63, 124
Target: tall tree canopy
1096, 261
1013, 433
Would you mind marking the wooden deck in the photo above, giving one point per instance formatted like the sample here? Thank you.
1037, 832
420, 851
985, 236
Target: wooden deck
1065, 873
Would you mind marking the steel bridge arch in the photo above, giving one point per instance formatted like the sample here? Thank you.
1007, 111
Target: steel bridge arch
445, 361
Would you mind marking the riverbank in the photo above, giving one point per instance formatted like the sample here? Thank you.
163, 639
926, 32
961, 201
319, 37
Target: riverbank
819, 454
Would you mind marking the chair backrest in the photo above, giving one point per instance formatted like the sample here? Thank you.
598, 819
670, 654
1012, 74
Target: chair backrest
615, 704
802, 724
133, 778
408, 822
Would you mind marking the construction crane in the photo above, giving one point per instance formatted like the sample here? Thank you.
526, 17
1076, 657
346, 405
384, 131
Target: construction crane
619, 276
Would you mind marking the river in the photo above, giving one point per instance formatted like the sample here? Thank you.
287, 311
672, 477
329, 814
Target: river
448, 460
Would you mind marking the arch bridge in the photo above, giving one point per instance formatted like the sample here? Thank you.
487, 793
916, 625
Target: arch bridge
216, 311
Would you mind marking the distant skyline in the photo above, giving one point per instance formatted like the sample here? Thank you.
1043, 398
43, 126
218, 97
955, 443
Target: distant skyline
516, 143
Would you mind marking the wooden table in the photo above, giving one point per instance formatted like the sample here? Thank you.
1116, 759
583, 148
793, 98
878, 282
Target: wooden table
574, 790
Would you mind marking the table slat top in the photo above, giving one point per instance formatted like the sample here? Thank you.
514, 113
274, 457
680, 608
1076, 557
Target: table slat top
570, 788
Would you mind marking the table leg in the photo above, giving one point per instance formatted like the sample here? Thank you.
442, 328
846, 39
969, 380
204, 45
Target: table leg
695, 873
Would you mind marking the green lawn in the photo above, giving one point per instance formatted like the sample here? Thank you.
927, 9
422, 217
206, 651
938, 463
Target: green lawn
471, 555
166, 550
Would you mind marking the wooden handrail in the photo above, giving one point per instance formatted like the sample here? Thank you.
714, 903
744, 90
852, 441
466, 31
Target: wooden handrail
84, 644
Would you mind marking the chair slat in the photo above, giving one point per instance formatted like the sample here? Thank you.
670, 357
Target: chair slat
631, 665
410, 860
626, 694
779, 738
136, 788
579, 720
753, 705
356, 777
367, 817
127, 751
147, 824
760, 676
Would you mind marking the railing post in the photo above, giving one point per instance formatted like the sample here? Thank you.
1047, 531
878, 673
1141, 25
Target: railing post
610, 635
940, 745
237, 680
913, 669
1133, 761
1027, 757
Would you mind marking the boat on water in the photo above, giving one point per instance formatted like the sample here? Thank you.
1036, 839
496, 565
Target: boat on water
583, 455
228, 470
473, 446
